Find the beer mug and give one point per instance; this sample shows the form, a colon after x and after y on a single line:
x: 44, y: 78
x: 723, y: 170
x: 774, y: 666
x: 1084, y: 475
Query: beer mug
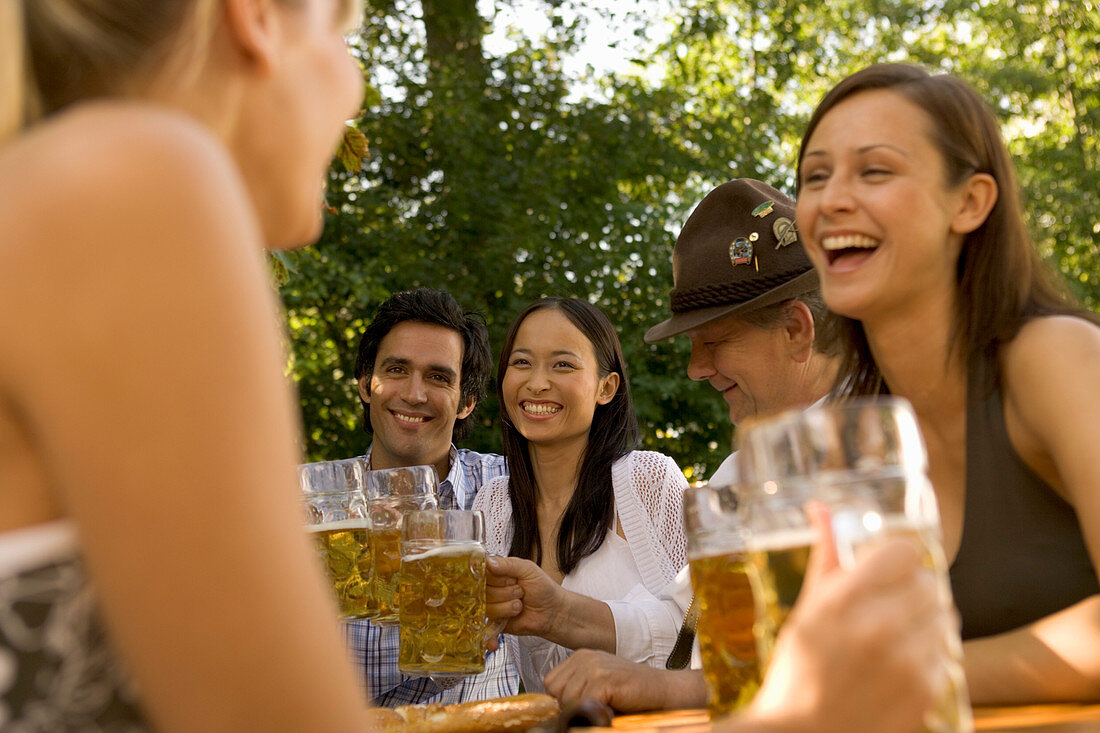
x: 779, y: 541
x: 441, y: 594
x: 391, y: 493
x: 336, y: 517
x: 865, y: 458
x: 722, y: 578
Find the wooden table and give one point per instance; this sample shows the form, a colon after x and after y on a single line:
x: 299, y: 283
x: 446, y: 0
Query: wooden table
x: 1064, y: 718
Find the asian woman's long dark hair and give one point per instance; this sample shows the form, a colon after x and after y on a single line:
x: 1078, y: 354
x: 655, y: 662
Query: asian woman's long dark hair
x: 613, y: 434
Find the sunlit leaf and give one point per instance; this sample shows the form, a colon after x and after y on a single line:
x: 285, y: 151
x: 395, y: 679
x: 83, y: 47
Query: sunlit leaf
x: 353, y: 148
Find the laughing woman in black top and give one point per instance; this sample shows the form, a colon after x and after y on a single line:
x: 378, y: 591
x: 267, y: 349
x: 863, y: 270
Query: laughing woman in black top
x: 908, y: 206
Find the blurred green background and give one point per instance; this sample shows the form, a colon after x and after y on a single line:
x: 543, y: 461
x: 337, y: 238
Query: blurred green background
x: 520, y: 148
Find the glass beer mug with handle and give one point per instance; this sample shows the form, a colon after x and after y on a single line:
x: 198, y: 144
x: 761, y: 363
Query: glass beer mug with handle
x: 336, y: 517
x: 441, y: 594
x: 865, y: 458
x: 779, y: 541
x: 722, y: 578
x: 391, y: 494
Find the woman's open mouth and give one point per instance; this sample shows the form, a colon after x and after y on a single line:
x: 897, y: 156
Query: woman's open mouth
x: 540, y: 409
x: 844, y: 246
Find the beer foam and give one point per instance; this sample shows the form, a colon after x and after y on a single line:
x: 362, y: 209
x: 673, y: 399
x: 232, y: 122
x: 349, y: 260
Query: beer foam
x: 353, y: 523
x: 738, y: 554
x: 450, y: 550
x: 782, y: 539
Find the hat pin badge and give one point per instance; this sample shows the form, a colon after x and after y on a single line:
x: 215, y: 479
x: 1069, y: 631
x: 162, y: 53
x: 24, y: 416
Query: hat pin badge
x: 763, y: 209
x: 785, y: 232
x: 740, y: 251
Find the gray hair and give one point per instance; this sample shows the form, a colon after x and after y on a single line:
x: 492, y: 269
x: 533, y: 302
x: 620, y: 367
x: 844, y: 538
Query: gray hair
x: 773, y: 316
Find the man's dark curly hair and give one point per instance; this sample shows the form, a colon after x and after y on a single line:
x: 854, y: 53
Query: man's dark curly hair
x: 439, y: 308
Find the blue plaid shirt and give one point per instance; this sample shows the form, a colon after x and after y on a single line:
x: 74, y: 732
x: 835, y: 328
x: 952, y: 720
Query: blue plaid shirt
x: 375, y: 647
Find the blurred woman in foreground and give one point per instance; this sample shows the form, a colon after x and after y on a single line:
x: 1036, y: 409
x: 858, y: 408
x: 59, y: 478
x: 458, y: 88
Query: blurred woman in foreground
x: 148, y: 152
x: 147, y: 435
x: 908, y: 206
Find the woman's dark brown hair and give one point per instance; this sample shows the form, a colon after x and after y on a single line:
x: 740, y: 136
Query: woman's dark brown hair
x: 1001, y: 282
x: 613, y: 434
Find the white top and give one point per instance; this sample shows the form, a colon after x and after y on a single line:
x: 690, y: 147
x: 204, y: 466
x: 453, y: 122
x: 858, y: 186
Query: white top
x: 727, y: 473
x: 676, y: 596
x: 628, y: 573
x: 608, y: 573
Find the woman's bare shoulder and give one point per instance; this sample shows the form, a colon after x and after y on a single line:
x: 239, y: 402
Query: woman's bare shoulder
x: 110, y: 209
x: 1051, y: 361
x: 1052, y: 396
x: 95, y: 167
x: 122, y: 177
x: 1052, y: 344
x: 101, y: 138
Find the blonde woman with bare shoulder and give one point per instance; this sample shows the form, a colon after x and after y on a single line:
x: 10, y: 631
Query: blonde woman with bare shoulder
x: 148, y: 153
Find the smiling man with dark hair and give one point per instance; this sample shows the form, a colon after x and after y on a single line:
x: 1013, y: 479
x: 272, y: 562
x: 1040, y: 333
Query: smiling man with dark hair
x: 423, y: 365
x: 410, y: 314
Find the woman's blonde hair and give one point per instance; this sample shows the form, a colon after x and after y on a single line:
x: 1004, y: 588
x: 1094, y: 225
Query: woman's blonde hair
x: 11, y: 67
x: 55, y: 52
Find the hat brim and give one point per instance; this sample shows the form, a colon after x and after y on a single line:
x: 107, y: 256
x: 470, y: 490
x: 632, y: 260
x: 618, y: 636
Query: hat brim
x: 688, y: 320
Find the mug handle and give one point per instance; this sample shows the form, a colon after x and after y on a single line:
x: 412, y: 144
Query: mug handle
x: 493, y: 628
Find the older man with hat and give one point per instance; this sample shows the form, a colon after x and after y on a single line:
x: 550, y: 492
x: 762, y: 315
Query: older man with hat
x: 747, y: 296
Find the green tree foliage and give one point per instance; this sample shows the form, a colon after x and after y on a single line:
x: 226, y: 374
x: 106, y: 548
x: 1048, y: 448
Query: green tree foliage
x: 502, y: 178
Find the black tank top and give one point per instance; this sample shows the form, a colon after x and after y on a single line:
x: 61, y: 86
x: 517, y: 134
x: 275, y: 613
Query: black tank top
x: 1022, y: 555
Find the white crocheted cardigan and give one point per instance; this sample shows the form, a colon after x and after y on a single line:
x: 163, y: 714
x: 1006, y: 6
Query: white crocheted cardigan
x: 648, y: 489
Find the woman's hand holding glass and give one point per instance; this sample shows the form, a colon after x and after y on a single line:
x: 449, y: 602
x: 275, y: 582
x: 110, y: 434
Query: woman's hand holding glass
x: 858, y: 635
x: 522, y: 595
x: 531, y: 603
x: 865, y: 460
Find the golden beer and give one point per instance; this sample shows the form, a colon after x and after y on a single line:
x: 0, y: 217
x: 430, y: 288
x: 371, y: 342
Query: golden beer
x: 386, y: 553
x: 387, y: 516
x: 441, y: 595
x: 780, y: 560
x: 727, y: 642
x: 865, y: 460
x: 345, y: 550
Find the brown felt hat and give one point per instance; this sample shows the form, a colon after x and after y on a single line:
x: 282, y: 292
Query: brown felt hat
x: 738, y: 251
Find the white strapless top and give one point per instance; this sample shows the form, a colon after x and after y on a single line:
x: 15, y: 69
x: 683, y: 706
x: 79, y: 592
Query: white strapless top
x: 40, y: 544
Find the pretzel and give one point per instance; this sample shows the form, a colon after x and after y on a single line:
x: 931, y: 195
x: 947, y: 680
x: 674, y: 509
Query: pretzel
x: 516, y: 713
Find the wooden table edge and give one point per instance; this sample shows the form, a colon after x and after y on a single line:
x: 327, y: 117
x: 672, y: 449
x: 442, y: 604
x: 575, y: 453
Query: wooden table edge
x: 1052, y: 718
